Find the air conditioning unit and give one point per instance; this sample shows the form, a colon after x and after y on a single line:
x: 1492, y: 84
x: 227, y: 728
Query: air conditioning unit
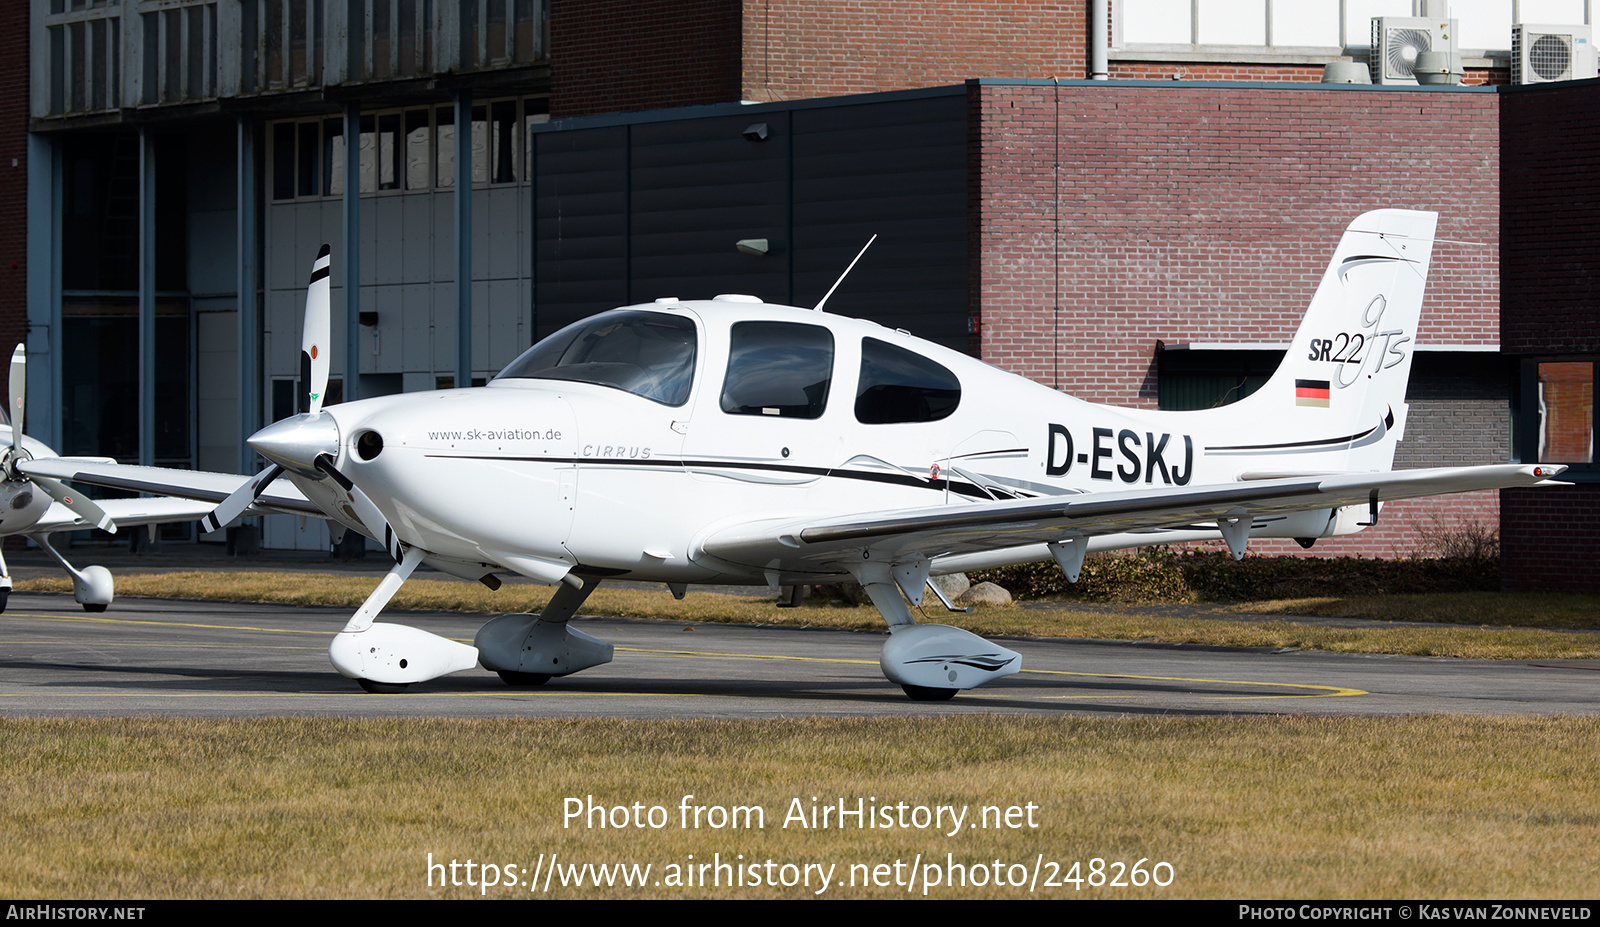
x: 1397, y: 40
x: 1540, y: 54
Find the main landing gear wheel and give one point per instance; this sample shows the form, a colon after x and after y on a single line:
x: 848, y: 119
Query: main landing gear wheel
x: 929, y: 693
x: 94, y: 606
x: 383, y: 688
x: 513, y: 678
x: 4, y: 595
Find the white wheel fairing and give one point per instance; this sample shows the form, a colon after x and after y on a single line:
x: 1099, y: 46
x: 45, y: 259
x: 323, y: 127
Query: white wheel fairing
x: 936, y: 656
x: 396, y: 654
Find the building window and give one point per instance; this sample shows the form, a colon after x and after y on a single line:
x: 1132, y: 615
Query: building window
x: 404, y: 150
x: 180, y: 54
x: 1154, y: 29
x: 1555, y: 421
x: 498, y: 149
x: 501, y: 32
x: 83, y: 48
x: 281, y: 44
x: 1188, y: 380
x: 1566, y: 412
x: 1172, y: 25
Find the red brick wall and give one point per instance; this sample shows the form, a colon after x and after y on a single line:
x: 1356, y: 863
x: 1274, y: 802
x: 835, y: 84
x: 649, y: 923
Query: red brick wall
x: 796, y: 49
x: 1209, y: 214
x: 13, y: 177
x: 1549, y: 538
x: 1398, y: 532
x: 621, y: 55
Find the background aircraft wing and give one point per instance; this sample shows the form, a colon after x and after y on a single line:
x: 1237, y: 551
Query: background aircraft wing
x: 127, y: 513
x: 808, y: 545
x: 199, y: 485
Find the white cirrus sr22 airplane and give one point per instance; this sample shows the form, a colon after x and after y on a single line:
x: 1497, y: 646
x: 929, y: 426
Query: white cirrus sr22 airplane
x: 730, y: 441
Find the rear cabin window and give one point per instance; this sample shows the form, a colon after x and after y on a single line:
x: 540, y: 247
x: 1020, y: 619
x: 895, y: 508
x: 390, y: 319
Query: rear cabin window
x: 781, y: 369
x: 649, y: 354
x: 902, y: 386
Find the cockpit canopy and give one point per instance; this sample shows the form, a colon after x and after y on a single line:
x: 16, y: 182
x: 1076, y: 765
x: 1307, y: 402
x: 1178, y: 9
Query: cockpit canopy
x: 649, y: 354
x: 775, y: 368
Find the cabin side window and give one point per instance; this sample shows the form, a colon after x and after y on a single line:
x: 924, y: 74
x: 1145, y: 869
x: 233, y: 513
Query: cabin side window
x: 649, y: 354
x: 781, y: 369
x: 897, y: 385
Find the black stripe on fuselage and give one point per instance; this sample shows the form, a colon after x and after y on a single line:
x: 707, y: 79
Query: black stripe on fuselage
x: 897, y: 479
x: 1388, y: 422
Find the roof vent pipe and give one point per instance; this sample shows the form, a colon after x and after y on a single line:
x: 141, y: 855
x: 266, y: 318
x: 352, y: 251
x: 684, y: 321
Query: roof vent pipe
x: 1099, y: 38
x: 1346, y: 71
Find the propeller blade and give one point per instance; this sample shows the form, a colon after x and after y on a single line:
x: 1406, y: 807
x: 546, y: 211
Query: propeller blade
x: 239, y: 500
x: 377, y: 526
x: 80, y: 505
x: 19, y: 396
x: 314, y: 359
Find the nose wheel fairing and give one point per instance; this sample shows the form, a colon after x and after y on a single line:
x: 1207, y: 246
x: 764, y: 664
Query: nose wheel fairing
x: 394, y: 654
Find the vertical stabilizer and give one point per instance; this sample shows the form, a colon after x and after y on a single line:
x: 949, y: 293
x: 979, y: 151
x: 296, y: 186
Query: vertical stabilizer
x: 1339, y: 395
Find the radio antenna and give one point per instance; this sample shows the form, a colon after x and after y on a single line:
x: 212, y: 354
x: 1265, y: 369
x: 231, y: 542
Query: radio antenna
x: 818, y: 306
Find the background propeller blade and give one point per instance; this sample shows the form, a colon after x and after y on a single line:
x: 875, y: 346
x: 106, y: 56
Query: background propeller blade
x: 19, y: 396
x: 314, y: 359
x: 81, y: 505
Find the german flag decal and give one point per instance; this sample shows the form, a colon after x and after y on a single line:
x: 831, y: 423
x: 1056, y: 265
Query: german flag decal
x: 1311, y: 393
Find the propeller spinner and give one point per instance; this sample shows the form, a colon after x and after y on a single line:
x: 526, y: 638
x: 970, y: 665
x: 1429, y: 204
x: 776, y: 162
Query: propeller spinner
x: 307, y: 443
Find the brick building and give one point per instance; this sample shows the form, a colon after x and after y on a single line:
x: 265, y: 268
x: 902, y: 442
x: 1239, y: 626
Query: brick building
x: 1149, y: 242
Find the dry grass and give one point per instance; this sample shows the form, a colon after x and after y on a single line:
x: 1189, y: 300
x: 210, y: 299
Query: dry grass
x: 1262, y: 808
x: 1532, y: 613
x: 1518, y: 610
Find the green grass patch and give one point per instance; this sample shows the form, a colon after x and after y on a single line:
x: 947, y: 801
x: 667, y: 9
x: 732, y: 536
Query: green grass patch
x: 1428, y: 807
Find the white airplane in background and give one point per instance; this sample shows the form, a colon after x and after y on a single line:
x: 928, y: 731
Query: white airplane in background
x: 37, y: 506
x: 730, y: 441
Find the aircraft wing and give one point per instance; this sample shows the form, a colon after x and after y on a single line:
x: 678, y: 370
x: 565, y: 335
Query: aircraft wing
x: 199, y: 485
x: 935, y: 531
x: 126, y: 513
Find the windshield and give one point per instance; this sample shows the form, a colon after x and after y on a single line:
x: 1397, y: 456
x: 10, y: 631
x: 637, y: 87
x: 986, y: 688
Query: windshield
x: 649, y: 354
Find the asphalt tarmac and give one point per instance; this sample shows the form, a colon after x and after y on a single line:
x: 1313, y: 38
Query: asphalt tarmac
x: 209, y: 659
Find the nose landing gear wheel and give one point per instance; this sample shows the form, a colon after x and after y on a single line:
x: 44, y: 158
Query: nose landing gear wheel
x: 929, y: 694
x: 520, y: 680
x: 94, y: 606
